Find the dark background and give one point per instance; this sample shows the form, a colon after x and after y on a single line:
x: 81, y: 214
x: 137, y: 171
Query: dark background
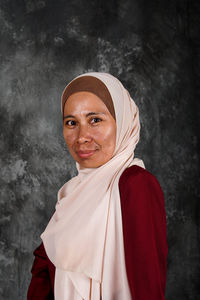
x: 152, y: 47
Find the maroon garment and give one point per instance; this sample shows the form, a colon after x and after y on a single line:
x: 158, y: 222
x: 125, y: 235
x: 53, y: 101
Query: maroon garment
x: 43, y: 272
x: 145, y: 233
x: 145, y: 241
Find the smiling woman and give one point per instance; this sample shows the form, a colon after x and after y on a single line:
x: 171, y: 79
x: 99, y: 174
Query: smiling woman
x: 89, y: 130
x: 107, y: 239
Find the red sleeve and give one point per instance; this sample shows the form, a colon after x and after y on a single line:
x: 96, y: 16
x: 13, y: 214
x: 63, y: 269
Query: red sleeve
x: 43, y: 272
x: 145, y: 233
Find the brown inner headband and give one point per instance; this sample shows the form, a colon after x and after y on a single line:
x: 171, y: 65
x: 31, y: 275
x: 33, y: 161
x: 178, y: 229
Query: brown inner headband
x: 89, y: 84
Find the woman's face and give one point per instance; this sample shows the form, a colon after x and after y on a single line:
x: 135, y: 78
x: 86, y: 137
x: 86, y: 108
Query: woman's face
x: 89, y: 130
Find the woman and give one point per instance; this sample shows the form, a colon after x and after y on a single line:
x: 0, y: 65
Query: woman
x: 107, y: 237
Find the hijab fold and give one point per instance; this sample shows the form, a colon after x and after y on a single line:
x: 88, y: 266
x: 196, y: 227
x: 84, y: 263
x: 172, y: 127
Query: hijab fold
x: 84, y: 238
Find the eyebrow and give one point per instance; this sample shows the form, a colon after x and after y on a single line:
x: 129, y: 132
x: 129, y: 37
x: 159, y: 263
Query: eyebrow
x: 89, y: 114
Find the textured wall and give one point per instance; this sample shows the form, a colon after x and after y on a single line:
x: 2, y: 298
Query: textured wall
x: 152, y: 48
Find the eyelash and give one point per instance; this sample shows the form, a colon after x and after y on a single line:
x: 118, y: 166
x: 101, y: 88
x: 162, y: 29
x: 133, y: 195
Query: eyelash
x: 99, y: 120
x: 67, y: 123
x: 96, y: 118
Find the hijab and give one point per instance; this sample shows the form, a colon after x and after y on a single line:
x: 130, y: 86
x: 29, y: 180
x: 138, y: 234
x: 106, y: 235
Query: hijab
x: 84, y: 238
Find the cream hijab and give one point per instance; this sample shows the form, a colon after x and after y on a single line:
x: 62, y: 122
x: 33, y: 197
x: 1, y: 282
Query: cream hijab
x: 84, y: 238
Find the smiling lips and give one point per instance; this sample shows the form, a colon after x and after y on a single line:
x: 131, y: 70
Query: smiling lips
x: 85, y: 153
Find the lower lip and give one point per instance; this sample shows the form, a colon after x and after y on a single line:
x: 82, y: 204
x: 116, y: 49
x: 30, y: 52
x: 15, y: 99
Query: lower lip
x: 85, y: 154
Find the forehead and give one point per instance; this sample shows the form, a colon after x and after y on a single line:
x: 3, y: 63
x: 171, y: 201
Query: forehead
x: 84, y: 100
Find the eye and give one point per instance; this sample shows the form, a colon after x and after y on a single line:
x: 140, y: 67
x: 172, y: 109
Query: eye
x: 70, y: 123
x: 95, y: 120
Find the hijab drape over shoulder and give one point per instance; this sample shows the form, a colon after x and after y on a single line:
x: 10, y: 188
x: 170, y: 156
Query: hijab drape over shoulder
x: 84, y: 238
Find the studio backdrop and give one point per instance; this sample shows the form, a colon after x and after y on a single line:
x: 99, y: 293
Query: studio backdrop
x: 151, y: 46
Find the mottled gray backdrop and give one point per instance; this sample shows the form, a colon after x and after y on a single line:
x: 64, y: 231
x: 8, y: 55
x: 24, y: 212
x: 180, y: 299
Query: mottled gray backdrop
x: 152, y: 47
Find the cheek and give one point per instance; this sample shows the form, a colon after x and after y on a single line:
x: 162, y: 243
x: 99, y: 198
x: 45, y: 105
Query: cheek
x: 108, y: 137
x: 69, y: 137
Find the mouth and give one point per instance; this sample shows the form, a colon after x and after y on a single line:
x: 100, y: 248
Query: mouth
x: 85, y: 153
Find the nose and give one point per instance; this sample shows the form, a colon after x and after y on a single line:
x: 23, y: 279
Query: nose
x: 84, y: 135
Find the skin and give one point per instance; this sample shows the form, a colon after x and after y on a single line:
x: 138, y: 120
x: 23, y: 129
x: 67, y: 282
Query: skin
x: 89, y: 130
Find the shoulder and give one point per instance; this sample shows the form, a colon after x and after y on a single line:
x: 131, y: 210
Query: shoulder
x: 139, y: 184
x: 40, y: 251
x: 135, y: 175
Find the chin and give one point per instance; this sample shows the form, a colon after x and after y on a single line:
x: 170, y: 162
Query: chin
x: 89, y: 165
x: 92, y: 164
